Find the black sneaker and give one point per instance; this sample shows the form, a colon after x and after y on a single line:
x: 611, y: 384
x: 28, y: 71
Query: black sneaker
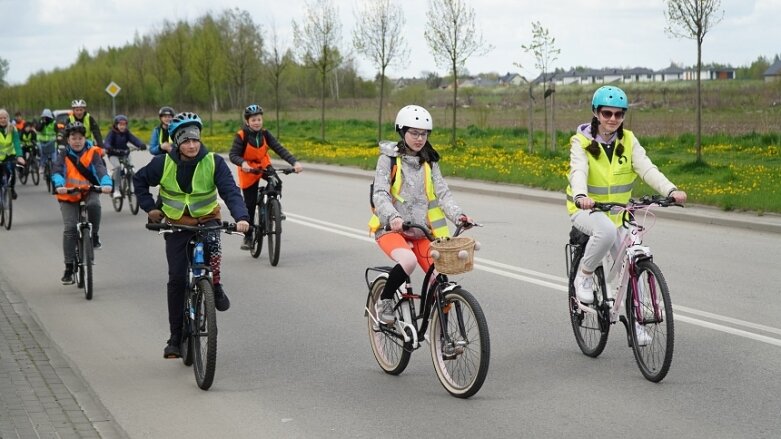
x: 221, y: 301
x: 247, y: 244
x: 96, y: 244
x: 67, y: 277
x: 172, y: 348
x: 13, y: 194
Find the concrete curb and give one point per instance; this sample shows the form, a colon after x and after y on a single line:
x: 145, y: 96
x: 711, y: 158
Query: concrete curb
x: 770, y: 222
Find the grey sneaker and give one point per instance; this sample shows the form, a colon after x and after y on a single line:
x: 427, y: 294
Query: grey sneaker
x: 584, y: 287
x: 383, y: 309
x: 643, y: 337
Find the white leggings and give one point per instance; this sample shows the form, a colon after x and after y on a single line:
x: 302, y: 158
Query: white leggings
x: 603, y: 234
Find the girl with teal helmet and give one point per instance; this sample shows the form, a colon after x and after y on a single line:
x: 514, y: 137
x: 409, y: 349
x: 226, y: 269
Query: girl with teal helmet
x: 605, y: 161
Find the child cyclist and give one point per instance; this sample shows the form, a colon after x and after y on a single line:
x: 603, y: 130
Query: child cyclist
x: 115, y: 146
x: 79, y: 165
x: 250, y: 152
x: 160, y: 143
x: 409, y: 187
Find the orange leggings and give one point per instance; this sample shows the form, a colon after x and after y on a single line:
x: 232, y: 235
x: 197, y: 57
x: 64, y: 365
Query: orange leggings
x: 390, y: 243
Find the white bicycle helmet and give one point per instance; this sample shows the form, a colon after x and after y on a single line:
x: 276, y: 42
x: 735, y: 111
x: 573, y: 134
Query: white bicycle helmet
x: 414, y: 116
x: 78, y: 103
x: 47, y: 113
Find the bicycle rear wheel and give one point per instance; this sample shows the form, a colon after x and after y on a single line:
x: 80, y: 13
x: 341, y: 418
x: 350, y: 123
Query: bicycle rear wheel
x: 47, y: 175
x: 274, y: 230
x: 22, y: 172
x: 86, y: 263
x: 388, y: 346
x: 3, y: 190
x: 132, y: 201
x: 654, y: 351
x: 117, y: 201
x: 8, y: 208
x: 590, y: 327
x: 257, y: 233
x: 204, y: 338
x: 462, y: 362
x: 35, y: 171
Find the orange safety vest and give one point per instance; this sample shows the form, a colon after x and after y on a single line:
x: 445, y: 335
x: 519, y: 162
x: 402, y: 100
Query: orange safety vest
x: 257, y: 157
x: 73, y: 177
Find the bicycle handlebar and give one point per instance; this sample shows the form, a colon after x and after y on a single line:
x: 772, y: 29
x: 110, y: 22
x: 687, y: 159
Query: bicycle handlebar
x: 460, y: 227
x: 645, y: 200
x: 266, y: 171
x: 90, y: 188
x: 162, y: 227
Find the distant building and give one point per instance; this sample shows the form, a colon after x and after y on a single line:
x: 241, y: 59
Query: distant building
x: 773, y: 73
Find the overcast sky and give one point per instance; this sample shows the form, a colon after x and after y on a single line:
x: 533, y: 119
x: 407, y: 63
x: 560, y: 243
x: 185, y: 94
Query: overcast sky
x: 45, y: 34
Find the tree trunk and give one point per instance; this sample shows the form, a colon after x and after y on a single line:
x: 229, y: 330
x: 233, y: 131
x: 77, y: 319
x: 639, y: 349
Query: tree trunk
x: 322, y: 104
x: 531, y: 120
x: 379, y: 112
x: 455, y: 101
x: 699, y: 100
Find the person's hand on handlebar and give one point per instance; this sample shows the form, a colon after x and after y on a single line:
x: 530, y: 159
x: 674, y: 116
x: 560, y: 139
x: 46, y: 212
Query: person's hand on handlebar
x: 396, y: 224
x: 678, y: 196
x: 155, y: 216
x: 105, y: 189
x: 242, y: 226
x: 465, y: 220
x: 246, y: 167
x: 298, y: 167
x: 585, y: 202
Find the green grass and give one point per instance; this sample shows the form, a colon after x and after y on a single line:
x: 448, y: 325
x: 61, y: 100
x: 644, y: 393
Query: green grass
x: 740, y: 172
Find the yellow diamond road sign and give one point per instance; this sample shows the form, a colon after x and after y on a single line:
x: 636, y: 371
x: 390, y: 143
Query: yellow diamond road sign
x: 113, y: 89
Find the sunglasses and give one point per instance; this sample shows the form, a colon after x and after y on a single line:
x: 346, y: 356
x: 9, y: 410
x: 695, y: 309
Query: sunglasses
x: 607, y: 114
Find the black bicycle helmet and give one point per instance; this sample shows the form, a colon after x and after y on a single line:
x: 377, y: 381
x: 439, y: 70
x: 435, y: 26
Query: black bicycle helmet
x: 166, y: 111
x: 75, y: 127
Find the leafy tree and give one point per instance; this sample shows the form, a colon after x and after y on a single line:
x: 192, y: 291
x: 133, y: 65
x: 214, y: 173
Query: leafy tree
x: 545, y: 53
x: 317, y: 39
x: 693, y: 19
x: 207, y: 62
x: 378, y: 36
x: 452, y: 37
x: 243, y: 49
x: 4, y: 66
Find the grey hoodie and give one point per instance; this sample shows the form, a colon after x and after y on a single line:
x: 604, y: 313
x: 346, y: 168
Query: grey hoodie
x: 413, y: 191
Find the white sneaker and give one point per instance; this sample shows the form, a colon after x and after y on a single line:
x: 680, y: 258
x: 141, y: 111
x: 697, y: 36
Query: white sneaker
x: 584, y: 287
x: 383, y: 309
x: 117, y: 194
x: 643, y: 338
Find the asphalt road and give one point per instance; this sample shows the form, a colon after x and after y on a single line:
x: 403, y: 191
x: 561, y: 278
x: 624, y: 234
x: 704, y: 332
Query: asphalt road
x: 294, y: 359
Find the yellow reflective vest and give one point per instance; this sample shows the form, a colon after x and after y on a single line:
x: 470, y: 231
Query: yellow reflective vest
x: 203, y: 198
x: 437, y: 221
x: 608, y: 181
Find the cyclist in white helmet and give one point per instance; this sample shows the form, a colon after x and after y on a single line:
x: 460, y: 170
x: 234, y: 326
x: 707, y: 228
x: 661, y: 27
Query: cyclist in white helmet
x: 409, y: 187
x: 79, y: 114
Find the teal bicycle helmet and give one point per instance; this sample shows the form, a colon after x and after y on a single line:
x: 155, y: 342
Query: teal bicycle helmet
x: 182, y: 120
x: 609, y: 96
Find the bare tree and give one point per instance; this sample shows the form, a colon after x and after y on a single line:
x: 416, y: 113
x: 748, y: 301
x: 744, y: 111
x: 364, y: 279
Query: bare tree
x: 693, y: 19
x: 531, y: 109
x: 277, y: 63
x: 453, y: 38
x: 545, y: 52
x: 378, y: 36
x: 317, y: 40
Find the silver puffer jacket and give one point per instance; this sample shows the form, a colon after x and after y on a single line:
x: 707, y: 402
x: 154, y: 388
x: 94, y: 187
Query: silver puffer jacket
x: 413, y: 191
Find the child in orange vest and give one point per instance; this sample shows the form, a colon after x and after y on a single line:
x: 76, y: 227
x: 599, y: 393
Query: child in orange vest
x: 249, y: 152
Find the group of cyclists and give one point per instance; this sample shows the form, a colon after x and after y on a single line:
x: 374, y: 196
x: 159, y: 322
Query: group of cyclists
x: 605, y: 161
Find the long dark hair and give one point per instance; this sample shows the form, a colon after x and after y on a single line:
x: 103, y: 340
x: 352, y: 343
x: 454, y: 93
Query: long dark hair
x: 594, y: 148
x: 426, y: 154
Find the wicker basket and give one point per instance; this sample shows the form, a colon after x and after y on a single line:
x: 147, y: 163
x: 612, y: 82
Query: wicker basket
x: 448, y: 249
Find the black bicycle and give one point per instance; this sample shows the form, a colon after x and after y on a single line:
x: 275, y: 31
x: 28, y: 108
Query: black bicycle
x: 48, y: 164
x: 31, y: 167
x: 268, y: 215
x: 199, y: 327
x: 85, y: 252
x: 457, y: 328
x: 125, y: 186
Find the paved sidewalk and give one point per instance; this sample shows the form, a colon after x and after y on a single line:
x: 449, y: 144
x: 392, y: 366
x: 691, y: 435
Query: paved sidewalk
x: 41, y: 396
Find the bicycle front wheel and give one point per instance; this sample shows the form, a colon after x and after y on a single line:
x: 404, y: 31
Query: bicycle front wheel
x: 117, y: 201
x: 257, y: 232
x: 459, y: 342
x: 86, y: 263
x: 204, y: 337
x: 388, y: 346
x: 23, y: 172
x: 274, y: 230
x: 35, y: 171
x: 590, y: 327
x: 187, y: 338
x: 8, y: 208
x: 47, y: 175
x: 132, y: 201
x: 650, y: 317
